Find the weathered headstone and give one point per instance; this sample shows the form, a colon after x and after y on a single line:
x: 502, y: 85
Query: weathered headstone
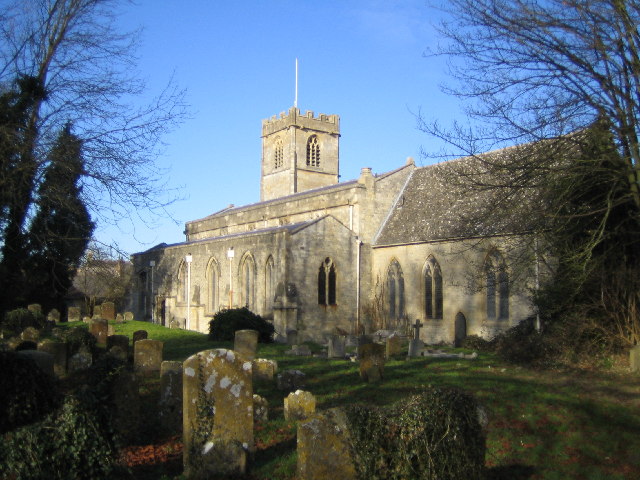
x: 260, y: 409
x: 59, y: 352
x: 73, y: 314
x: 108, y: 310
x: 415, y: 348
x: 246, y: 343
x: 118, y: 353
x: 86, y: 319
x: 292, y: 337
x: 147, y: 356
x: 97, y: 311
x: 121, y: 341
x: 99, y: 328
x: 35, y: 308
x: 139, y: 335
x: 43, y: 360
x: 31, y: 334
x: 54, y: 315
x: 128, y: 316
x: 336, y: 347
x: 291, y: 380
x: 171, y: 395
x: 393, y: 346
x: 217, y: 413
x: 634, y: 358
x: 328, y: 431
x: 264, y: 370
x: 299, y: 350
x: 80, y: 361
x: 371, y: 358
x: 119, y: 318
x: 299, y: 405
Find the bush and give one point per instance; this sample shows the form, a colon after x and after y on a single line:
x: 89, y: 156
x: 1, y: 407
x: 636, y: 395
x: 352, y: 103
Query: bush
x: 474, y: 342
x: 20, y: 318
x: 433, y: 435
x: 78, y: 337
x: 68, y: 443
x: 27, y: 393
x: 225, y: 324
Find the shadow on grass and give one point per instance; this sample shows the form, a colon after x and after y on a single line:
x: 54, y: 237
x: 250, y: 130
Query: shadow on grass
x: 509, y: 472
x: 273, y: 453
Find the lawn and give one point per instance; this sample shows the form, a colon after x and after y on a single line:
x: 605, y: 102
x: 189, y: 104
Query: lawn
x: 543, y: 424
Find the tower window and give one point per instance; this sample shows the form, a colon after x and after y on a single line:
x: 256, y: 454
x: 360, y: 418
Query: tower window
x: 278, y: 156
x: 327, y: 283
x: 313, y: 152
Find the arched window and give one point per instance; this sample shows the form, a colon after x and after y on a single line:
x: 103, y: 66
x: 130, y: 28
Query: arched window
x: 278, y: 156
x: 269, y: 284
x: 433, y: 296
x: 213, y: 285
x: 247, y: 279
x: 395, y: 287
x: 327, y: 283
x: 497, y: 286
x: 182, y: 282
x: 313, y: 151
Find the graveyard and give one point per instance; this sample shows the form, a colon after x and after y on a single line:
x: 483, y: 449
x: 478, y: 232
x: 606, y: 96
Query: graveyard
x: 539, y: 424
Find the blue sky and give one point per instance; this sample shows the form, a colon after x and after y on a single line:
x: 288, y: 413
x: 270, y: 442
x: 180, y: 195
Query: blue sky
x: 362, y: 60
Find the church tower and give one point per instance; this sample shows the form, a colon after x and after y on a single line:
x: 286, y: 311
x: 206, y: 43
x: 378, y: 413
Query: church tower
x: 299, y: 152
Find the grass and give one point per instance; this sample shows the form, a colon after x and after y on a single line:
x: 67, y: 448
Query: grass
x: 543, y: 424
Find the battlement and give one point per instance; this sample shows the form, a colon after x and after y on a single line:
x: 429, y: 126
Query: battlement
x: 323, y: 123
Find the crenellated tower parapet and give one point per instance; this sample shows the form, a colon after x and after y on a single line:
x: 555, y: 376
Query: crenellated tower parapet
x: 299, y: 152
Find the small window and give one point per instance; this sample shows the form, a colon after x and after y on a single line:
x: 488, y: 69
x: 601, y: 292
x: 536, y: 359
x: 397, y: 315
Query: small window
x: 497, y: 287
x: 327, y: 283
x: 433, y: 295
x: 269, y: 284
x: 313, y: 152
x: 247, y: 279
x: 395, y: 287
x: 278, y: 156
x: 213, y: 280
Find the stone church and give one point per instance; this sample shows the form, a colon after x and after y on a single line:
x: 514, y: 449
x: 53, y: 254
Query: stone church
x: 322, y: 256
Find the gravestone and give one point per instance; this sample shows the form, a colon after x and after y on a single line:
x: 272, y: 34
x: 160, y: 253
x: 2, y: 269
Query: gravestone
x: 264, y: 370
x: 97, y: 311
x: 323, y: 448
x: 634, y: 358
x: 147, y: 356
x: 73, y: 314
x: 291, y: 380
x: 35, y: 308
x: 292, y: 337
x: 59, y: 352
x: 171, y: 395
x: 108, y: 310
x: 415, y: 348
x: 126, y: 417
x: 260, y: 409
x: 299, y: 350
x: 99, y: 328
x: 336, y: 347
x: 364, y: 340
x: 299, y: 405
x: 86, y: 319
x: 44, y: 360
x: 80, y: 361
x: 393, y: 346
x: 371, y: 358
x: 139, y: 335
x: 246, y: 343
x: 54, y: 315
x: 128, y: 316
x: 31, y: 334
x: 118, y: 353
x: 217, y: 404
x: 119, y: 318
x: 121, y: 341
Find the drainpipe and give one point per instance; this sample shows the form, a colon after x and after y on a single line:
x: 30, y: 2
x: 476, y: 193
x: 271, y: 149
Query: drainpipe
x: 358, y: 246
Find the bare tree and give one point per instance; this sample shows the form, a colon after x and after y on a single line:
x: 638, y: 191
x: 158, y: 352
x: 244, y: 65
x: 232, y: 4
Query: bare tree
x: 87, y: 68
x: 561, y: 79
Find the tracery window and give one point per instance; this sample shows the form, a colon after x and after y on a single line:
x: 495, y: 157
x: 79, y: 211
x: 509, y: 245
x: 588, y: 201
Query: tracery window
x: 247, y: 279
x: 433, y: 295
x: 313, y: 151
x: 497, y: 287
x: 213, y: 283
x: 327, y: 283
x: 278, y: 159
x: 395, y: 287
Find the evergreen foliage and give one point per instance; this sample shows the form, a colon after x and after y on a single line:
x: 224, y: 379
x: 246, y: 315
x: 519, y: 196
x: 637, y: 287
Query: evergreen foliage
x: 226, y: 322
x: 20, y: 318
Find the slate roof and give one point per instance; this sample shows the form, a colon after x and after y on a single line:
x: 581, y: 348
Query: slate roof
x: 437, y: 204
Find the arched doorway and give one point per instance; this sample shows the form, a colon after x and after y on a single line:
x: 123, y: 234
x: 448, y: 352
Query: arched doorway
x: 460, y: 329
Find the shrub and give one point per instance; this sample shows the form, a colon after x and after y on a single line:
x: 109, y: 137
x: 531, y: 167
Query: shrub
x: 27, y: 393
x: 20, y: 318
x: 225, y: 324
x: 522, y: 344
x: 434, y: 435
x: 474, y: 342
x: 78, y: 337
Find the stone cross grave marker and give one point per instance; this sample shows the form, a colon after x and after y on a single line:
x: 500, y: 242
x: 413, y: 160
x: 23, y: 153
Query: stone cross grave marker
x: 416, y: 329
x: 246, y: 343
x: 217, y: 409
